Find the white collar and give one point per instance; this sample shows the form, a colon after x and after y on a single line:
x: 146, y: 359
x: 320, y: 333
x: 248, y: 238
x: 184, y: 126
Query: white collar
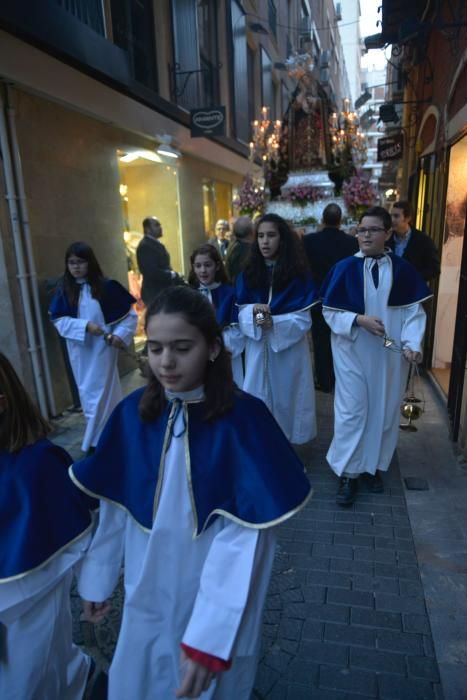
x: 213, y: 285
x: 192, y: 395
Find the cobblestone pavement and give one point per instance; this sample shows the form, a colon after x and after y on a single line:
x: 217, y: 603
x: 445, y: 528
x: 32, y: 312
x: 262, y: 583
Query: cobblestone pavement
x: 345, y: 616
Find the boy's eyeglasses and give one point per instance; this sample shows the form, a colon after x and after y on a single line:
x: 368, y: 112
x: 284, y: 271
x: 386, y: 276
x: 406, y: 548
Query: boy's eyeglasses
x: 373, y: 230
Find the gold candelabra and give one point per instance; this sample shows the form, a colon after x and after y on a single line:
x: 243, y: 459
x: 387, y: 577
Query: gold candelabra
x: 265, y: 140
x: 348, y: 142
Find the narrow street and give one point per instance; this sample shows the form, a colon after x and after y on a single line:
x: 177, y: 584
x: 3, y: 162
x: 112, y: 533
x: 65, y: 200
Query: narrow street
x: 365, y: 602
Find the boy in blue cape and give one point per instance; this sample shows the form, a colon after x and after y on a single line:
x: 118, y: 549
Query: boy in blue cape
x: 373, y: 304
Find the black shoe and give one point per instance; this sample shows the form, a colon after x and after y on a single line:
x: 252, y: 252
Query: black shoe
x: 347, y: 491
x: 374, y: 482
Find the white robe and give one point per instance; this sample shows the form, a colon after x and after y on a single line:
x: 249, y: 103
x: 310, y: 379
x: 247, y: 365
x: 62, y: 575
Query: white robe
x: 38, y: 660
x: 233, y: 339
x: 235, y: 343
x: 208, y: 593
x: 278, y: 370
x: 370, y: 379
x: 94, y: 363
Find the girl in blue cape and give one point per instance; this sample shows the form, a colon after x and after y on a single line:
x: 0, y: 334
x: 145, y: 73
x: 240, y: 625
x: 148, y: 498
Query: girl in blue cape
x: 275, y: 293
x: 192, y: 474
x: 95, y: 316
x: 45, y: 527
x: 209, y: 277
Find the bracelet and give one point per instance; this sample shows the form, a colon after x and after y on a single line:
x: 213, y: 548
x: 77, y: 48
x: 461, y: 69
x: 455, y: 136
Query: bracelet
x: 108, y: 338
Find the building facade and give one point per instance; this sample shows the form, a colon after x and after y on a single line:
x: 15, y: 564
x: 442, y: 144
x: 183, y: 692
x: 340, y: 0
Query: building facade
x: 349, y: 13
x: 89, y: 92
x: 374, y: 83
x: 430, y: 58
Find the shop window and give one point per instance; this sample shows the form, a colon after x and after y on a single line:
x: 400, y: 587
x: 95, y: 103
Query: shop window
x: 451, y: 261
x: 217, y: 204
x: 141, y: 182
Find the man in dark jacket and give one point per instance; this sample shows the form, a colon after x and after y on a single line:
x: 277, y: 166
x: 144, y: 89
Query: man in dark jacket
x: 414, y: 246
x: 239, y: 248
x: 221, y: 241
x: 153, y: 261
x: 324, y: 249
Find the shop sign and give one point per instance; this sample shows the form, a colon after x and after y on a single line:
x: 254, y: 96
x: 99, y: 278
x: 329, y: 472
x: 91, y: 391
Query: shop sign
x: 207, y: 122
x: 391, y: 147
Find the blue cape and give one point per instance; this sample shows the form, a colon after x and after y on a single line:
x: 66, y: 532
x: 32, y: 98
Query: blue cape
x: 241, y: 464
x: 115, y: 303
x: 299, y: 294
x: 41, y: 511
x: 343, y: 286
x: 223, y: 300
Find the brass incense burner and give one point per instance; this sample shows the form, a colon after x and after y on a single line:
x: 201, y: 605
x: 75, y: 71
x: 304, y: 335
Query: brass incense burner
x: 411, y: 407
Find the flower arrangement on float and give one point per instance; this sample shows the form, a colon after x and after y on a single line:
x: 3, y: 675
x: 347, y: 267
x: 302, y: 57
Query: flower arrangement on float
x: 301, y: 194
x: 250, y: 198
x: 358, y: 194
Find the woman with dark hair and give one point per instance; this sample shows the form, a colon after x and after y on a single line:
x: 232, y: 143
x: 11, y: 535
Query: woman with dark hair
x: 275, y: 293
x: 192, y: 474
x: 208, y: 276
x: 95, y: 316
x: 45, y: 528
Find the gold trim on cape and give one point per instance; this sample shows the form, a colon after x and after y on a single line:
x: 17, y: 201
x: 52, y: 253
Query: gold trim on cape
x: 47, y: 561
x: 104, y: 498
x: 216, y: 511
x: 256, y: 526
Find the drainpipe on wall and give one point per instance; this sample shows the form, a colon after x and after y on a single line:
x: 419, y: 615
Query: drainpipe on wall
x: 23, y: 205
x: 22, y: 273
